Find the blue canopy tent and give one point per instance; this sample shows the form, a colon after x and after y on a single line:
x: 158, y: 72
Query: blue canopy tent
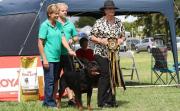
x: 18, y: 15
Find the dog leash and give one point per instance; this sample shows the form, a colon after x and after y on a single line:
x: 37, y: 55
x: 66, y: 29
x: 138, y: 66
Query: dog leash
x: 76, y: 58
x: 79, y: 61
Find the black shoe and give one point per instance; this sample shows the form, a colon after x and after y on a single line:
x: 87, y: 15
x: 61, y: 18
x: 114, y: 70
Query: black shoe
x: 105, y: 105
x: 115, y: 105
x: 72, y: 102
x: 108, y: 105
x: 100, y: 106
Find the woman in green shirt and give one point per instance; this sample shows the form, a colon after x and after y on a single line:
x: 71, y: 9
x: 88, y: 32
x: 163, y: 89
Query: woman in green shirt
x: 49, y: 44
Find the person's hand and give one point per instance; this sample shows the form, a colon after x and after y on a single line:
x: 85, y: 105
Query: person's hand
x: 71, y: 52
x: 45, y: 64
x: 103, y: 41
x: 70, y: 41
x: 120, y: 41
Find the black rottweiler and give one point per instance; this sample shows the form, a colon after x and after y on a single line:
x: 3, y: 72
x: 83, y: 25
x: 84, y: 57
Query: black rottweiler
x: 80, y: 81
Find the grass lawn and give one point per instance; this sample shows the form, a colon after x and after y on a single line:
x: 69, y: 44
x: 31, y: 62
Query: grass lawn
x: 133, y: 99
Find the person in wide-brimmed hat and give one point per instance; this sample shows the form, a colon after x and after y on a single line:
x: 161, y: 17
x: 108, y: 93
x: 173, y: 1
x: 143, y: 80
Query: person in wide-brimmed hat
x: 101, y: 31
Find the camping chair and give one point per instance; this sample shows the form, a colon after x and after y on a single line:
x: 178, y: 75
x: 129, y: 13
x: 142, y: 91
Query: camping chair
x: 130, y: 55
x: 161, y: 67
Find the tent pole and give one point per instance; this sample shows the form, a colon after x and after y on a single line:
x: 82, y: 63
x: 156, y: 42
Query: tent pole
x: 30, y: 30
x: 174, y: 46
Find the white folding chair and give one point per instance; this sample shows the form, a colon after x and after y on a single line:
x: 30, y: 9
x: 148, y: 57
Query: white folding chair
x: 130, y: 55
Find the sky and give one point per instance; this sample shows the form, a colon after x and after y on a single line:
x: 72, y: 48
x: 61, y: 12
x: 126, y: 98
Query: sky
x: 128, y: 19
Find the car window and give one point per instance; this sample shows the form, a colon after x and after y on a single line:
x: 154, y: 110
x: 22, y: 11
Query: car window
x: 143, y: 41
x: 136, y: 41
x: 158, y: 43
x: 133, y: 41
x: 146, y: 40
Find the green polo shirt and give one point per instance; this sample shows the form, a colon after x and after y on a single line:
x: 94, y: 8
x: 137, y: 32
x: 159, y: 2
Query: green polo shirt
x: 52, y: 41
x: 69, y: 31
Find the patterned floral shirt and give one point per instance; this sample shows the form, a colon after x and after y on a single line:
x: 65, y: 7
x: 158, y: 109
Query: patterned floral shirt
x: 103, y: 29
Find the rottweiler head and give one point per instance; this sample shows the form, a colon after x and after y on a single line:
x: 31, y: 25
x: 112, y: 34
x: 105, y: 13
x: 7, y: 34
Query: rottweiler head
x: 92, y: 68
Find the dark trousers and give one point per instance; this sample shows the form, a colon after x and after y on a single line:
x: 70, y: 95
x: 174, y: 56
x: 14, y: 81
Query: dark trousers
x: 50, y: 76
x: 104, y: 89
x: 66, y: 63
x: 67, y: 66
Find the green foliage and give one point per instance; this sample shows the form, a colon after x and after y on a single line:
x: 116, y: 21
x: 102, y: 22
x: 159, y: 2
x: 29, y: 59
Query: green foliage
x: 155, y: 23
x: 128, y: 26
x: 178, y: 28
x: 83, y: 21
x: 177, y: 14
x: 131, y: 27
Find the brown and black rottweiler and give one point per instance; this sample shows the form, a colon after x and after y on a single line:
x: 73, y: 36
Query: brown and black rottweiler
x: 81, y: 81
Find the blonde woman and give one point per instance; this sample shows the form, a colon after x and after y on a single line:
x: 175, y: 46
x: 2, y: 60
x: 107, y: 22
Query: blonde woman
x: 49, y: 44
x: 70, y: 33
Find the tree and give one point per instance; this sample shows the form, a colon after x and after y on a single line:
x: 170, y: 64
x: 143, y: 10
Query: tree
x: 155, y: 23
x: 83, y: 21
x: 146, y: 21
x: 148, y: 30
x: 177, y: 14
